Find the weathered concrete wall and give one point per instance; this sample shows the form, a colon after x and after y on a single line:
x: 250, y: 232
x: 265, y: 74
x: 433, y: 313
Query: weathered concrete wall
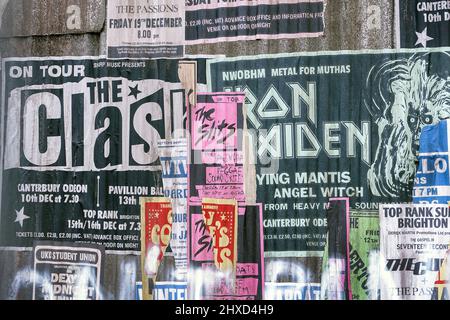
x: 51, y: 28
x: 87, y: 44
x: 25, y: 18
x: 40, y: 27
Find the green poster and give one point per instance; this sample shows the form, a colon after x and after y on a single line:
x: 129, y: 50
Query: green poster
x: 364, y: 251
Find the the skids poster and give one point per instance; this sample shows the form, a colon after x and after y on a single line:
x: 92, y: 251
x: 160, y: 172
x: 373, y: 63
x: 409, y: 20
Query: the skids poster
x: 79, y: 146
x: 216, y: 168
x: 67, y: 271
x: 210, y: 283
x: 210, y: 21
x: 414, y: 240
x: 333, y: 124
x: 156, y: 232
x: 422, y: 23
x: 145, y: 29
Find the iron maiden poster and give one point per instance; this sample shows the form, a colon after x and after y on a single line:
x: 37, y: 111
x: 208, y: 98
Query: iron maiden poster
x: 145, y: 28
x: 67, y: 271
x: 210, y: 21
x: 414, y: 240
x: 79, y: 147
x: 423, y: 23
x: 333, y: 124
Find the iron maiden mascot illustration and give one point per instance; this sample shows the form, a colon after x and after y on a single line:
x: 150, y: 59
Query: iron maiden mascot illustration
x: 404, y: 95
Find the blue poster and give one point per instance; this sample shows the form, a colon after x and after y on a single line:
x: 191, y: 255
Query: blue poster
x: 170, y: 291
x: 432, y: 182
x: 165, y: 290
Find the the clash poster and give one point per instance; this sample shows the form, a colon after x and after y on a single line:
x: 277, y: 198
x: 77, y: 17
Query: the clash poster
x: 332, y: 124
x: 79, y: 146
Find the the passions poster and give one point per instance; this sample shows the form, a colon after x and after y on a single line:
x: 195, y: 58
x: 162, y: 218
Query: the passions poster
x: 145, y: 28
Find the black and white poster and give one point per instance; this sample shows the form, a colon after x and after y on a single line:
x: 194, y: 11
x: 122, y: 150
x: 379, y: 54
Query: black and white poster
x: 423, y: 23
x: 66, y: 271
x: 80, y: 147
x: 145, y: 28
x: 211, y: 21
x: 154, y: 29
x: 414, y: 242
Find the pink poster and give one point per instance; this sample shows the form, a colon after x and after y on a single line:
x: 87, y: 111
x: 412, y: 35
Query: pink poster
x: 209, y: 282
x: 216, y: 160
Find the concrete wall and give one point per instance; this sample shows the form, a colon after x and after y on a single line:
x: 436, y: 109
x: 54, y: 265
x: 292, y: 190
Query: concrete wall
x: 77, y: 27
